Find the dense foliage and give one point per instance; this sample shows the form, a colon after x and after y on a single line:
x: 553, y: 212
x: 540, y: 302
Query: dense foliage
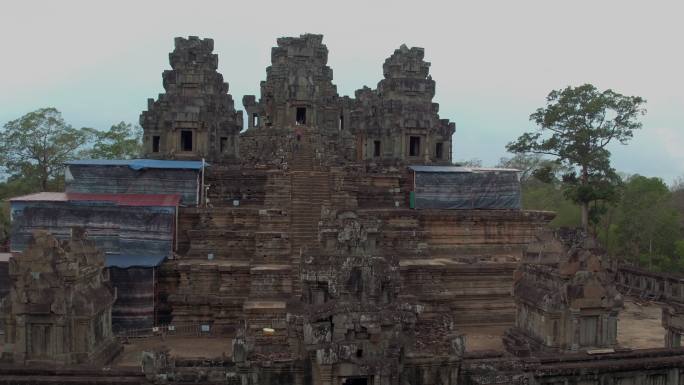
x: 643, y: 224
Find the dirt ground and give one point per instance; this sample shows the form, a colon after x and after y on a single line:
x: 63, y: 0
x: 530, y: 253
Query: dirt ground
x: 639, y: 326
x: 483, y: 337
x: 186, y: 347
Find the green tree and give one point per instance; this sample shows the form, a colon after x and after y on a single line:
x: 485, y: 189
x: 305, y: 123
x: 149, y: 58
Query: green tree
x: 648, y: 226
x: 121, y: 141
x: 37, y: 145
x: 575, y: 127
x: 474, y: 162
x: 533, y: 166
x: 548, y: 196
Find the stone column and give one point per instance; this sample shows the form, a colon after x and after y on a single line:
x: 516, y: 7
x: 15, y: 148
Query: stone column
x: 574, y: 343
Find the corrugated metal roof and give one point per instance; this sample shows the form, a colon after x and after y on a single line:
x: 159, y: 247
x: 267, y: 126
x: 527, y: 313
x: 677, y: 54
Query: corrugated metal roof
x: 420, y: 168
x: 126, y: 261
x: 138, y: 164
x: 157, y: 200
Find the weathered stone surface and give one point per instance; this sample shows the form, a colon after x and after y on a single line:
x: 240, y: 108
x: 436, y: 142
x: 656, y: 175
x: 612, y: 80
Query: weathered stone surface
x: 196, y: 117
x: 398, y: 120
x: 60, y: 304
x: 566, y: 298
x: 673, y: 322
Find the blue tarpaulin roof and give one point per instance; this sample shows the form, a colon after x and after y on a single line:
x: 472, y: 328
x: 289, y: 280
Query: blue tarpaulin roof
x: 139, y: 164
x: 126, y: 261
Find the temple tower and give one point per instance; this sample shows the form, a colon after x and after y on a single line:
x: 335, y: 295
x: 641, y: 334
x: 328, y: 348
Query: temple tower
x: 196, y: 117
x: 398, y: 120
x: 298, y: 90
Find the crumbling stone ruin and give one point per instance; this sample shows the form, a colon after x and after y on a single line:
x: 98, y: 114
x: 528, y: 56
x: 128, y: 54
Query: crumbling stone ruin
x: 566, y: 299
x: 60, y: 304
x: 673, y: 322
x: 398, y: 120
x: 196, y: 117
x: 332, y: 242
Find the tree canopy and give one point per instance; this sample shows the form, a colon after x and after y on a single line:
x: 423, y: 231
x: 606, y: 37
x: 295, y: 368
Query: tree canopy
x: 575, y: 128
x: 38, y: 144
x: 121, y: 141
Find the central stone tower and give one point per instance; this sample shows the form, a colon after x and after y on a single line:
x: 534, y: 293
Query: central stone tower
x: 298, y: 89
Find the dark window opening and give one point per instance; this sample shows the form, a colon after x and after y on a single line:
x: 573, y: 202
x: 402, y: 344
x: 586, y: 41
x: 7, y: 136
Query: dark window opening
x: 155, y: 143
x: 439, y: 149
x: 186, y: 140
x: 356, y: 381
x: 376, y: 148
x: 355, y: 282
x: 255, y: 120
x: 341, y: 126
x: 301, y: 115
x: 414, y: 146
x: 359, y: 353
x: 224, y: 144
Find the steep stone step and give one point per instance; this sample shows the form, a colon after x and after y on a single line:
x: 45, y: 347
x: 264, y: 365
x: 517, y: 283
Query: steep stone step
x: 310, y: 190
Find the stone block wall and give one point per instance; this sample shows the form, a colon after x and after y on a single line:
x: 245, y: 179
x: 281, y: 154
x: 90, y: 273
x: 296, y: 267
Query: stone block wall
x: 195, y: 118
x: 637, y: 282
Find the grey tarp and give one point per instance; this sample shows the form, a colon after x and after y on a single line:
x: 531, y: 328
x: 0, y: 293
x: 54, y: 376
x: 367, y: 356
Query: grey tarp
x: 466, y: 188
x: 135, y: 302
x: 112, y: 178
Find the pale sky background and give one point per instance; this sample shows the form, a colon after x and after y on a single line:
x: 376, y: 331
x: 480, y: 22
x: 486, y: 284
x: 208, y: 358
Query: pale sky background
x: 494, y: 61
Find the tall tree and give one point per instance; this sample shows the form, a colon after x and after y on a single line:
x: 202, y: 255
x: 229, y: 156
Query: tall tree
x: 38, y: 144
x: 575, y: 127
x: 121, y: 141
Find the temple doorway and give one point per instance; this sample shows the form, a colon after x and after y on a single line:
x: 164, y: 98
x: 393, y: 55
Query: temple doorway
x: 356, y: 381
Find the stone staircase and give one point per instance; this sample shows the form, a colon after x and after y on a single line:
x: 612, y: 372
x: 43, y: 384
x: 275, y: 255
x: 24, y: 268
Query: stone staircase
x: 303, y: 157
x: 310, y: 191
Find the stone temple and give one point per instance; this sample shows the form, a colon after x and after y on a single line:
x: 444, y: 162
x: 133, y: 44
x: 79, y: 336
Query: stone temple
x: 330, y: 240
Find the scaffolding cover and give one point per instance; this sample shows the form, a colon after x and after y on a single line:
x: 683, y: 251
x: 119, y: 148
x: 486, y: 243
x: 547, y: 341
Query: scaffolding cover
x: 124, y: 177
x: 466, y: 188
x: 135, y: 298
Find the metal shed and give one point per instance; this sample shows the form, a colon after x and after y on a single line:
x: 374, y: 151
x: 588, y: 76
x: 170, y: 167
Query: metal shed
x: 462, y: 188
x: 137, y: 176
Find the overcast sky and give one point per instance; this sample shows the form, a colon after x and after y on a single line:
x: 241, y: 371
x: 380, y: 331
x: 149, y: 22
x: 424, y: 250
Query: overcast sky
x: 494, y: 61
